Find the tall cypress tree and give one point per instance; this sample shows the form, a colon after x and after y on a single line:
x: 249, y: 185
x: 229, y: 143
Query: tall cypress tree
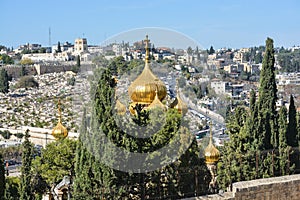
x: 2, y: 178
x: 96, y: 180
x: 4, y: 84
x: 267, y: 99
x: 26, y: 176
x: 292, y: 125
x: 283, y: 157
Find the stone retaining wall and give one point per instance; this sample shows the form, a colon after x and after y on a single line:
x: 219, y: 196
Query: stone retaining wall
x: 278, y: 188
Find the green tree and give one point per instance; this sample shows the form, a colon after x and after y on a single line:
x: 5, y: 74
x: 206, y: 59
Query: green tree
x: 6, y: 59
x: 2, y: 178
x: 4, y: 84
x: 12, y: 186
x: 211, y: 50
x: 56, y: 161
x: 26, y: 189
x: 58, y: 47
x: 267, y: 100
x: 292, y: 125
x: 94, y: 180
x: 283, y: 154
x: 26, y: 61
x: 78, y: 61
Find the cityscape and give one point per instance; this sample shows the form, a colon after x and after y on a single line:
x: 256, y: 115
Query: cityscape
x: 150, y: 113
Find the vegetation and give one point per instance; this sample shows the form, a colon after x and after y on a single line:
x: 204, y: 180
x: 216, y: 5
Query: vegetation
x: 2, y: 178
x: 56, y: 161
x: 289, y: 60
x: 26, y: 189
x: 6, y: 59
x: 27, y: 82
x: 4, y: 84
x: 258, y: 146
x: 95, y: 180
x: 5, y: 134
x: 26, y: 61
x: 12, y: 186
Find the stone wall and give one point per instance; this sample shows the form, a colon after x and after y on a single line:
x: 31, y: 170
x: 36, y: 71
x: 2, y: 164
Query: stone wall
x: 278, y: 188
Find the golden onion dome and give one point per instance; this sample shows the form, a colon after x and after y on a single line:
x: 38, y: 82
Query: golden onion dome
x: 179, y: 104
x: 59, y: 131
x: 142, y: 89
x: 156, y: 103
x: 211, y: 153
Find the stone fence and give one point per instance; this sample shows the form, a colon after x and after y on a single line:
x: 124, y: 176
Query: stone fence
x: 278, y: 188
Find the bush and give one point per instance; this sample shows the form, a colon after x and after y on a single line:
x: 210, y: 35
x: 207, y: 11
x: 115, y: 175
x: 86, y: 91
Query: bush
x: 5, y: 134
x: 27, y: 82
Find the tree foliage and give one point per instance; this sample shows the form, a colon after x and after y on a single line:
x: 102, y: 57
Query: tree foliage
x: 2, y: 178
x: 94, y: 180
x: 56, y: 161
x: 6, y: 59
x: 26, y: 189
x: 27, y: 82
x: 292, y: 125
x: 4, y: 84
x: 258, y: 146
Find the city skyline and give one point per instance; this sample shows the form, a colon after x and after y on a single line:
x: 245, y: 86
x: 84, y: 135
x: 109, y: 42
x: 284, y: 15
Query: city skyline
x: 233, y: 24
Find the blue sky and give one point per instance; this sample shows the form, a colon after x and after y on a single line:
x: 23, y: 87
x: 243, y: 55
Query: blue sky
x: 220, y: 23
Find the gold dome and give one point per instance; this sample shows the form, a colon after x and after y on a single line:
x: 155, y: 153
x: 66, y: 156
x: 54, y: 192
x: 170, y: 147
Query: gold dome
x: 212, y: 154
x: 59, y: 131
x: 142, y: 89
x: 179, y: 104
x: 156, y: 103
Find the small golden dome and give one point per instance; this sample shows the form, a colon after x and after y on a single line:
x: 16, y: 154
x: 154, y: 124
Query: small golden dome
x: 156, y: 103
x: 59, y: 131
x: 179, y: 104
x: 212, y: 154
x: 142, y: 89
x: 121, y: 109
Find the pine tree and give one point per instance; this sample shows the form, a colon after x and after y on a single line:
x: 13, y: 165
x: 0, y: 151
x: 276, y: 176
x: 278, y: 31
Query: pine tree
x: 2, y: 178
x: 4, y: 84
x: 292, y: 125
x: 267, y: 99
x: 26, y: 176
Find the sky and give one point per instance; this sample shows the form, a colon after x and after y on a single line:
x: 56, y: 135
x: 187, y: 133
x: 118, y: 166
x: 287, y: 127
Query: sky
x: 217, y: 23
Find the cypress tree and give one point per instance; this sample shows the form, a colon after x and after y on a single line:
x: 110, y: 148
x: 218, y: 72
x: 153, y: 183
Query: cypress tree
x: 292, y: 125
x: 4, y: 84
x: 2, y: 178
x: 267, y: 99
x: 26, y: 176
x: 298, y: 128
x: 282, y: 123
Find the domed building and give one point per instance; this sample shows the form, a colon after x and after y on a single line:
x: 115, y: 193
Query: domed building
x: 212, y: 156
x: 59, y: 131
x: 179, y: 104
x: 146, y: 86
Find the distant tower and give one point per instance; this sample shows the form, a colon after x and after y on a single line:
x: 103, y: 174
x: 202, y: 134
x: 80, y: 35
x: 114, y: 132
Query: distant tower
x: 81, y: 45
x: 49, y: 36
